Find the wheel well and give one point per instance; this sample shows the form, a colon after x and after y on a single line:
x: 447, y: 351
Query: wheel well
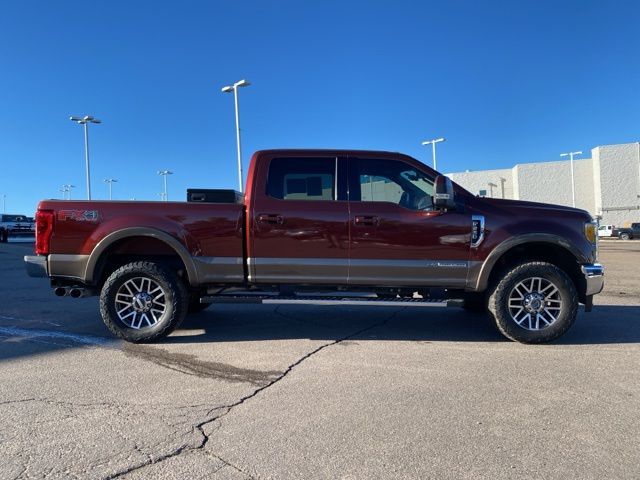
x: 541, y: 252
x: 132, y: 249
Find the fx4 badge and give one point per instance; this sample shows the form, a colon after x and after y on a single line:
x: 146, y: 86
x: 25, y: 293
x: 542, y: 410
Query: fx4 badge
x: 78, y: 215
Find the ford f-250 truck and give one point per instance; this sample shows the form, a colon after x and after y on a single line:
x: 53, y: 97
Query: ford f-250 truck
x: 326, y: 227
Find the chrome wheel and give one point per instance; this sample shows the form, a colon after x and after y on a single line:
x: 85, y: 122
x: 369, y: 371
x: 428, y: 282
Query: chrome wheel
x: 140, y: 302
x: 535, y: 303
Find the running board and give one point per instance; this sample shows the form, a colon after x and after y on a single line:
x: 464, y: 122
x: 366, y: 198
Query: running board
x: 332, y: 301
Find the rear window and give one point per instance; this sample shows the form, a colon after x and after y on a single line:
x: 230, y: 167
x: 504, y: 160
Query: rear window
x: 294, y: 178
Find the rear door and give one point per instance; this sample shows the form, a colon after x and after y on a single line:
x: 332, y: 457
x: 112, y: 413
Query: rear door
x: 397, y: 238
x: 299, y: 224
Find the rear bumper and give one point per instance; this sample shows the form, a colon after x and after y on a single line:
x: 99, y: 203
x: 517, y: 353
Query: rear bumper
x: 36, y: 265
x: 594, y: 277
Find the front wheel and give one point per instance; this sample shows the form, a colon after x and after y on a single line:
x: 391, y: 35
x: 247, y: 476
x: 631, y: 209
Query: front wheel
x: 534, y: 302
x: 143, y: 302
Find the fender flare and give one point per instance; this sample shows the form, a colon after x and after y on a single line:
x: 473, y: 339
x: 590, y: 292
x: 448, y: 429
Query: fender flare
x: 482, y: 279
x: 113, y: 237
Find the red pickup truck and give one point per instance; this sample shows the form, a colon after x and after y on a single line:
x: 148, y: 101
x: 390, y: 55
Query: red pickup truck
x: 329, y: 227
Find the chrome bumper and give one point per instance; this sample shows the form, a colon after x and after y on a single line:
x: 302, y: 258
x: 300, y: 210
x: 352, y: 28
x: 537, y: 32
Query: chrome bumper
x: 594, y: 276
x: 36, y: 265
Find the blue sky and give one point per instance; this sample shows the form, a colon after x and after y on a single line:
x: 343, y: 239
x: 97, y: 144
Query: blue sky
x: 505, y: 82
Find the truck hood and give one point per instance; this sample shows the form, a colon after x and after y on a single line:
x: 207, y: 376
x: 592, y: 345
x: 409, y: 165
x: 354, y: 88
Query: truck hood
x: 526, y: 205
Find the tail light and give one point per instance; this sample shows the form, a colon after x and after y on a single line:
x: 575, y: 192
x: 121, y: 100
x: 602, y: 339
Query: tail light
x: 44, y: 229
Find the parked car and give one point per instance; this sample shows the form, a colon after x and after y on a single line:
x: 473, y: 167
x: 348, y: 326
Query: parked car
x: 606, y: 231
x: 324, y: 227
x: 629, y: 233
x: 15, y: 225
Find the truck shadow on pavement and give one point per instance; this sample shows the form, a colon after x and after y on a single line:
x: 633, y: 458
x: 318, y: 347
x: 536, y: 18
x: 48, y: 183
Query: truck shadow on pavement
x: 607, y: 324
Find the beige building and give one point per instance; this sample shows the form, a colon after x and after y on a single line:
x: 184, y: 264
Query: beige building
x: 607, y: 185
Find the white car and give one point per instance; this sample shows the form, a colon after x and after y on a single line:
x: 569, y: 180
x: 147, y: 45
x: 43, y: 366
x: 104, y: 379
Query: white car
x: 605, y: 230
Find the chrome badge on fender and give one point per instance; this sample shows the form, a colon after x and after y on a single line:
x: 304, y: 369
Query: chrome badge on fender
x: 78, y: 215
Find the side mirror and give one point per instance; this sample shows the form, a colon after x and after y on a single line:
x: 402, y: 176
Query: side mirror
x: 443, y: 197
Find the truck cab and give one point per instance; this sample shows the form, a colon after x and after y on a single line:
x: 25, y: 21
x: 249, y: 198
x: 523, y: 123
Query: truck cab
x: 606, y: 231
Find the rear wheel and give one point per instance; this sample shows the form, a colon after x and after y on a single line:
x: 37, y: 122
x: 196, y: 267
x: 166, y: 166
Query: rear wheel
x: 143, y: 302
x: 625, y: 236
x: 534, y: 302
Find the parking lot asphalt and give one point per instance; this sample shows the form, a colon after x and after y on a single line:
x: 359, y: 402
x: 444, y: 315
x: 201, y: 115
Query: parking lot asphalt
x: 317, y: 392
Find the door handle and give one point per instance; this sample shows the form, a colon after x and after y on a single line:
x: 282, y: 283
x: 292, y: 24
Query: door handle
x: 270, y: 218
x: 366, y: 220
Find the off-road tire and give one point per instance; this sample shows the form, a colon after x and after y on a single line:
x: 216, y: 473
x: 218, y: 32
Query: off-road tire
x: 176, y: 302
x: 499, y: 301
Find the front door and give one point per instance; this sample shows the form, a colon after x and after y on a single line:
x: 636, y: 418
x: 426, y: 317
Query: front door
x: 397, y: 237
x: 300, y: 225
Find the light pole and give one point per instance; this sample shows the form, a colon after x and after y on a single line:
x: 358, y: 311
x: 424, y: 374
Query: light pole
x: 433, y: 145
x: 68, y: 188
x: 64, y: 191
x: 110, y: 182
x: 491, y: 185
x: 85, y: 121
x: 234, y: 88
x: 4, y: 203
x: 164, y: 173
x: 573, y: 184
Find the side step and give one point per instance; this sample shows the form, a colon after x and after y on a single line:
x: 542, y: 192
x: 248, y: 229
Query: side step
x: 331, y: 301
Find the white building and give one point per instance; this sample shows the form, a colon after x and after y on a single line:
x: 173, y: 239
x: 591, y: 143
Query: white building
x: 606, y: 185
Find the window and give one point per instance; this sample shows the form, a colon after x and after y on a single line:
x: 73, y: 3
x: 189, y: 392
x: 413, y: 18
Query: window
x: 302, y: 178
x: 392, y: 181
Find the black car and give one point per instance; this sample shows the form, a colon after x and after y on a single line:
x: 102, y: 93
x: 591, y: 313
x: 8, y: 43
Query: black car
x: 629, y: 233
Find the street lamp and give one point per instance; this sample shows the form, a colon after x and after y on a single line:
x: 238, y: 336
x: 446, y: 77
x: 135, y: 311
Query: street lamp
x: 110, y: 182
x: 573, y: 184
x: 68, y: 188
x: 85, y: 121
x: 234, y: 88
x: 164, y: 173
x: 491, y: 185
x: 4, y: 203
x: 433, y: 145
x: 64, y: 191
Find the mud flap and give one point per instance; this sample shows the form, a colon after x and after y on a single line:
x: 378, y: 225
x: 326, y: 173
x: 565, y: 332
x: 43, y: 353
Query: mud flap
x: 588, y: 304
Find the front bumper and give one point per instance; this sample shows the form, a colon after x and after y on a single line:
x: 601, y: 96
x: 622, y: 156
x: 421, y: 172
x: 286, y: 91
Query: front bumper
x: 594, y: 276
x: 36, y: 265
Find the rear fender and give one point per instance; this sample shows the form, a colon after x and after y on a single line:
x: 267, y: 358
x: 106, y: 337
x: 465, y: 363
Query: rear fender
x: 110, y: 239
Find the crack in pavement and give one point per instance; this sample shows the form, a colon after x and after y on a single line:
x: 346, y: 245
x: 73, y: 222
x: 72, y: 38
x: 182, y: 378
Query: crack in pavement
x: 228, y: 408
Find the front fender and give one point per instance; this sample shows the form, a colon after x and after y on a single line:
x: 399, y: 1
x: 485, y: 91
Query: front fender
x: 478, y: 278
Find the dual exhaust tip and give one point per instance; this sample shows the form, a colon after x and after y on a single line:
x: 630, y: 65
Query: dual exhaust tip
x: 73, y: 292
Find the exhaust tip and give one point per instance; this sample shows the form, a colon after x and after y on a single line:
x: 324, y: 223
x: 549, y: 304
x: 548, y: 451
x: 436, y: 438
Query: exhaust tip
x: 60, y: 291
x: 75, y: 293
